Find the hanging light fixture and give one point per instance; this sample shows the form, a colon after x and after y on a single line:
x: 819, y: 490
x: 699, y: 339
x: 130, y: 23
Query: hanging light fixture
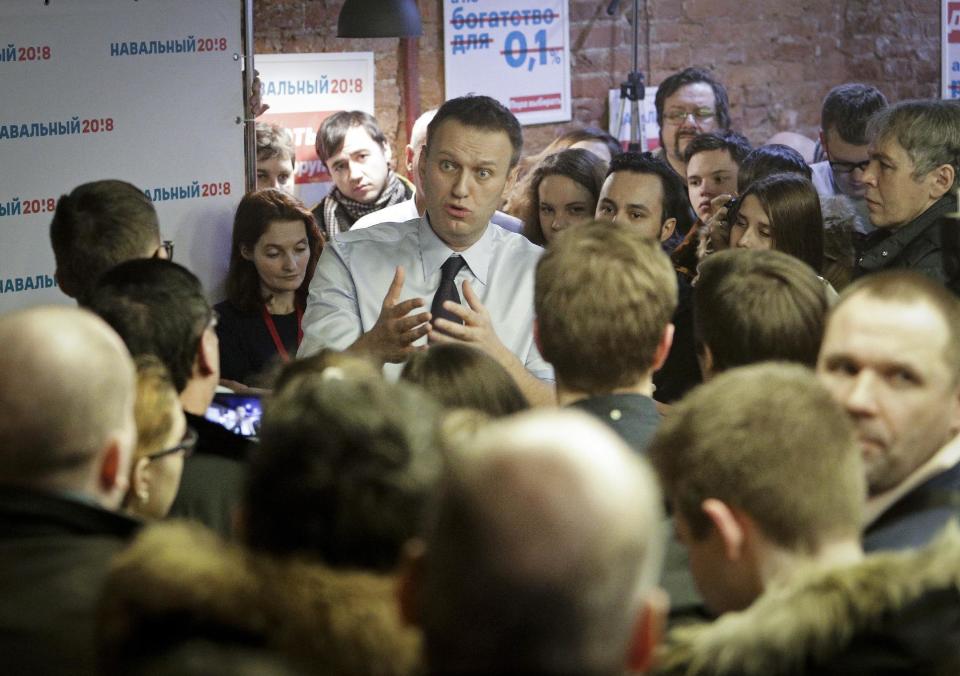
x: 379, y: 19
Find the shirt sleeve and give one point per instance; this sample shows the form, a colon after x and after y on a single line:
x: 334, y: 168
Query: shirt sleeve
x: 332, y: 318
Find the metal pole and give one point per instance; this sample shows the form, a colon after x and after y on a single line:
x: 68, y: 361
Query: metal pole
x: 249, y: 126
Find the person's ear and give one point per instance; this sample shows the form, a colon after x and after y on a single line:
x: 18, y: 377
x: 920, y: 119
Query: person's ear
x: 663, y: 347
x: 246, y: 253
x: 207, y: 358
x: 666, y: 230
x: 422, y: 165
x: 648, y: 631
x: 408, y: 155
x: 141, y: 478
x: 110, y: 474
x: 388, y: 154
x: 823, y: 143
x: 705, y: 357
x: 729, y: 527
x: 536, y: 335
x: 410, y: 581
x: 941, y: 180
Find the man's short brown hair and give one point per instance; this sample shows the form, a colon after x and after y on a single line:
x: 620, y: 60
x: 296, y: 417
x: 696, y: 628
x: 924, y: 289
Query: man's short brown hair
x: 604, y: 295
x: 752, y: 306
x: 769, y: 440
x: 334, y: 129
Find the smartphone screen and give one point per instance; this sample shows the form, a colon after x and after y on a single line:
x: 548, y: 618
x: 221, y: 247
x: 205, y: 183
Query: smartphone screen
x: 238, y: 413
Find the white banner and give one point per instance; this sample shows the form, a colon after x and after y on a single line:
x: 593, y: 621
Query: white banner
x: 950, y: 50
x: 302, y: 90
x: 149, y: 92
x: 516, y: 51
x: 648, y: 111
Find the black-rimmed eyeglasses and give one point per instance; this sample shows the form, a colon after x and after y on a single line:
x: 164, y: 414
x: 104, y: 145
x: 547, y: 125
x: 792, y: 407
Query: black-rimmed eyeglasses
x: 186, y: 445
x: 848, y: 167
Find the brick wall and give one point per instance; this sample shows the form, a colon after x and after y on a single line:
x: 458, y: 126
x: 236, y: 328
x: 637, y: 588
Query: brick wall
x: 777, y: 58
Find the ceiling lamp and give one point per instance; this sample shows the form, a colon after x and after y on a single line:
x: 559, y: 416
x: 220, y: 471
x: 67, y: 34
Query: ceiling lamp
x: 379, y: 19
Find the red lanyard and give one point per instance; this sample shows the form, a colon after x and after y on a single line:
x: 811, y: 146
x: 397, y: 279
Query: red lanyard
x: 272, y: 328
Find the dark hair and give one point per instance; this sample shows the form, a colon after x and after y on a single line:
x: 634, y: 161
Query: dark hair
x: 334, y: 128
x: 460, y: 376
x: 581, y: 134
x: 256, y: 212
x: 848, y: 107
x: 676, y: 203
x: 793, y: 207
x: 579, y: 165
x: 481, y: 112
x: 774, y: 158
x: 736, y: 144
x: 158, y: 308
x: 752, y: 306
x: 343, y: 470
x: 95, y: 227
x: 689, y: 76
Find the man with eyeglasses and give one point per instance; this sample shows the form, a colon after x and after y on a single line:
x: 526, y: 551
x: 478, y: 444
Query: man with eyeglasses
x: 67, y: 434
x: 688, y: 103
x: 159, y: 308
x: 99, y: 225
x: 911, y: 184
x: 843, y: 138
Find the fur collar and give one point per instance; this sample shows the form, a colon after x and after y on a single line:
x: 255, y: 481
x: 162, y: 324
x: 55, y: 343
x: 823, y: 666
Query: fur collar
x: 340, y: 622
x: 814, y: 616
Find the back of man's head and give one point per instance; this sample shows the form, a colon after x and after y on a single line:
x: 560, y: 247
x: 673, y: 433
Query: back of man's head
x: 543, y: 548
x: 769, y: 442
x: 158, y: 308
x: 675, y: 202
x: 343, y: 470
x: 847, y: 108
x: 97, y: 226
x: 604, y: 297
x: 773, y: 158
x: 752, y: 306
x: 67, y: 394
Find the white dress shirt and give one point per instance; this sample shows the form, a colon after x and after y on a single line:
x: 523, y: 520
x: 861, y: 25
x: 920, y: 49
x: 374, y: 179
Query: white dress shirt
x: 357, y: 267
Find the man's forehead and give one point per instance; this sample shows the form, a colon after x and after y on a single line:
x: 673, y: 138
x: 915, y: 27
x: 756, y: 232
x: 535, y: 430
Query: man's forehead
x: 487, y: 146
x: 895, y: 326
x: 635, y: 187
x: 708, y: 161
x: 840, y: 149
x: 696, y: 93
x: 357, y: 138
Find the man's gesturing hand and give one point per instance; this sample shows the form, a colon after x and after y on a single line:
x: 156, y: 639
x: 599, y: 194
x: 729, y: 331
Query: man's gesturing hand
x: 390, y: 338
x: 476, y: 329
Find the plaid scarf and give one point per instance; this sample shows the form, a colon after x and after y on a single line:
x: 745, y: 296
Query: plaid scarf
x: 340, y: 212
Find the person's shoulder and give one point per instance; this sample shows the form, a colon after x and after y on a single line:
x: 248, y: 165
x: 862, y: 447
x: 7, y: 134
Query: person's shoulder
x: 514, y: 244
x: 387, y: 232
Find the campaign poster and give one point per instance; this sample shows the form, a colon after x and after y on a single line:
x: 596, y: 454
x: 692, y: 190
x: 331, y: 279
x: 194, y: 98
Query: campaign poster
x: 515, y: 51
x: 950, y: 49
x: 648, y: 112
x: 150, y: 92
x: 302, y: 90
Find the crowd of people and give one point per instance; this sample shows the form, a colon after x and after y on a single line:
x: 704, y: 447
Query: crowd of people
x: 589, y: 411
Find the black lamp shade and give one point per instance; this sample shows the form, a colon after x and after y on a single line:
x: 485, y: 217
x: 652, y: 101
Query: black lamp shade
x: 379, y: 19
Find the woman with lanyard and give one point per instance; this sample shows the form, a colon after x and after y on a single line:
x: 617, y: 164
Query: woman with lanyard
x: 276, y: 244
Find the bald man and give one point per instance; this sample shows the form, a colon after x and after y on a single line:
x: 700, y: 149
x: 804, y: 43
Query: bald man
x: 551, y: 592
x: 66, y: 437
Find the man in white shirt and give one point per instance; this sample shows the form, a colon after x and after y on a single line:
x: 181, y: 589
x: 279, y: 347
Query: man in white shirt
x: 843, y: 137
x: 356, y: 297
x: 890, y: 356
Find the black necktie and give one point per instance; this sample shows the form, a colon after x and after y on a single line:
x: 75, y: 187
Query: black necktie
x: 447, y: 289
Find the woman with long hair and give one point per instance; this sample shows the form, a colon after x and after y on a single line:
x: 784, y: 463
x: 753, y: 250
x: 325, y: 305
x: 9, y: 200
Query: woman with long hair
x: 276, y: 244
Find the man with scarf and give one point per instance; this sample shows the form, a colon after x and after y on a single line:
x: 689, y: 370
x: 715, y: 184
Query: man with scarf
x: 357, y: 156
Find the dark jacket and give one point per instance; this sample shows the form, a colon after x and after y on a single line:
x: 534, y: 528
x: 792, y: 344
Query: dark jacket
x: 54, y: 555
x: 892, y: 613
x: 179, y: 582
x: 632, y: 416
x: 213, y: 477
x: 929, y: 244
x: 917, y: 517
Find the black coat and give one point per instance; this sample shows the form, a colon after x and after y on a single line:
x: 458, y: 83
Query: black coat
x: 54, y: 556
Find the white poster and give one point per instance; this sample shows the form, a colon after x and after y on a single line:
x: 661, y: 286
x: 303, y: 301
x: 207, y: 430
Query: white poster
x: 950, y: 49
x: 516, y: 52
x: 150, y: 92
x: 648, y: 111
x: 302, y: 90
